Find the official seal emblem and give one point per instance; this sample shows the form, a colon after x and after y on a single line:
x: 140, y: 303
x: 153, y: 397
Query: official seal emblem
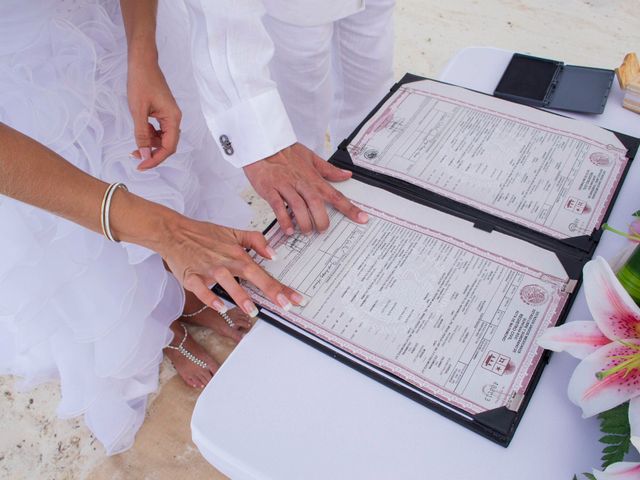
x: 600, y: 159
x: 533, y: 295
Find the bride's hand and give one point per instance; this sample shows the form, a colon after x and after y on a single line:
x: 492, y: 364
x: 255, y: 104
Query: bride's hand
x: 149, y: 96
x: 147, y: 90
x: 198, y: 253
x: 201, y: 254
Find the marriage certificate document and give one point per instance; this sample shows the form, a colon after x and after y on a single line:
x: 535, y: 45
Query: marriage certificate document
x: 451, y: 310
x: 482, y: 213
x: 552, y: 174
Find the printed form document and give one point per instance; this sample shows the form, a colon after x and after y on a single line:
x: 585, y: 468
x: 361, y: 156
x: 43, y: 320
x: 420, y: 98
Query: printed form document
x: 419, y: 295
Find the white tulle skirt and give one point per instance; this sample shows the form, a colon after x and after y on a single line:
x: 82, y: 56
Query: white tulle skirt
x: 74, y: 307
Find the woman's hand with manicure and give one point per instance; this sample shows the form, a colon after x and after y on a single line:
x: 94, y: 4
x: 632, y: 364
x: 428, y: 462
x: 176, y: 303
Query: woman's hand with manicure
x: 201, y: 254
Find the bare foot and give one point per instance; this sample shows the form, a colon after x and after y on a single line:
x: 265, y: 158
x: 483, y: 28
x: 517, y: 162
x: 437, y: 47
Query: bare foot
x: 192, y: 374
x: 213, y: 320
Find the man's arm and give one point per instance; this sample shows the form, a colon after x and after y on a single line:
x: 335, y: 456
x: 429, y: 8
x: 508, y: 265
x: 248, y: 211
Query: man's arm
x: 231, y: 54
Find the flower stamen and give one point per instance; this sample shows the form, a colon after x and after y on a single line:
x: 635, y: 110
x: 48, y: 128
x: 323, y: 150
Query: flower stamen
x: 631, y: 236
x: 631, y: 362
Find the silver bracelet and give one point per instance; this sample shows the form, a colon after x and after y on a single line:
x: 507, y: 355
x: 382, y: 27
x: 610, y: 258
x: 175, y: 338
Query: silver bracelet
x: 106, y: 207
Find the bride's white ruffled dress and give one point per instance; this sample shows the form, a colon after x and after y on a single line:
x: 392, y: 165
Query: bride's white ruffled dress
x: 74, y: 307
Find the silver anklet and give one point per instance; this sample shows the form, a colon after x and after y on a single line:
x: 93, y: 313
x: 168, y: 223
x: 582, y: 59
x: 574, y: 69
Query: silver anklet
x: 189, y: 315
x: 224, y: 315
x: 186, y: 353
x: 228, y: 319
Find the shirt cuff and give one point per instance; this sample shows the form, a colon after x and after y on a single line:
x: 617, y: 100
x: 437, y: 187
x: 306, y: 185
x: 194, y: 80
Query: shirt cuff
x: 251, y: 130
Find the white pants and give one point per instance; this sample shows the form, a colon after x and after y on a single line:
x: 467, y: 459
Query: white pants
x: 330, y: 76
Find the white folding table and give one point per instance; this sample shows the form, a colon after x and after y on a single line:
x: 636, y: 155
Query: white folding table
x: 279, y: 409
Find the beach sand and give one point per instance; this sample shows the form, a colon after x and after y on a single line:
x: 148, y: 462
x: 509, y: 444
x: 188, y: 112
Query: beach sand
x: 35, y: 444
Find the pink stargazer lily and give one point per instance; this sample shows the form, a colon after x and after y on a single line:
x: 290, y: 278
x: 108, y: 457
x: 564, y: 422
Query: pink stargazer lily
x: 634, y: 228
x: 619, y: 471
x: 609, y: 347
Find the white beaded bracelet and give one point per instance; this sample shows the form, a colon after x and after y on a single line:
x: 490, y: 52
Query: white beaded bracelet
x: 106, y: 207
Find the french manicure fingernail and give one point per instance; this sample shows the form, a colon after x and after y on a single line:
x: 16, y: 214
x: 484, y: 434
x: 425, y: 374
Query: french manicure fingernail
x: 219, y: 306
x: 250, y: 308
x: 145, y: 153
x: 299, y: 299
x: 272, y: 253
x: 131, y: 155
x: 363, y: 217
x: 283, y: 301
x: 289, y: 231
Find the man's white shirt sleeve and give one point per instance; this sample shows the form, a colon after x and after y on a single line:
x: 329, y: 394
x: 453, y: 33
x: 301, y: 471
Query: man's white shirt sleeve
x: 231, y: 52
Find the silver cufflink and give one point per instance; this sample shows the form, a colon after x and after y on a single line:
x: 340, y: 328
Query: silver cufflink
x: 226, y: 145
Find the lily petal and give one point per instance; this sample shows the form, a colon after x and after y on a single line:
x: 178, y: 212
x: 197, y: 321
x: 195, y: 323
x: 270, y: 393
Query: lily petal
x: 594, y: 395
x: 579, y: 339
x: 619, y: 471
x: 634, y: 227
x: 634, y: 421
x: 614, y: 311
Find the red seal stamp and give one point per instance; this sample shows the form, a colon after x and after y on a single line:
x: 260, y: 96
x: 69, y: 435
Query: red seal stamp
x: 600, y: 159
x: 533, y: 295
x: 498, y: 363
x: 576, y: 205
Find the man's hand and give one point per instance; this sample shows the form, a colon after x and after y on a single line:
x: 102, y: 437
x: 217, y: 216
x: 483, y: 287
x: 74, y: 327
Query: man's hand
x: 298, y: 177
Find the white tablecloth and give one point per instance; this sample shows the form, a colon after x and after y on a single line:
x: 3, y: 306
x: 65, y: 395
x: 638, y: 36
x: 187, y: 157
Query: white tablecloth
x: 279, y: 409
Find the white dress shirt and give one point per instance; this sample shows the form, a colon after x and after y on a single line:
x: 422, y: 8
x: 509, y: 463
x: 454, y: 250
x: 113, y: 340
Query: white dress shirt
x: 231, y: 53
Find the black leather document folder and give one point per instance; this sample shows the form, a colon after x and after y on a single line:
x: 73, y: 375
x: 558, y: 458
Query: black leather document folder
x: 482, y: 215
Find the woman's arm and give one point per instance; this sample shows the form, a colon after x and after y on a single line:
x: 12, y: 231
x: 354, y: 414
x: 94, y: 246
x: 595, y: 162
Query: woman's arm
x: 147, y: 90
x: 198, y: 253
x: 139, y: 18
x: 33, y: 174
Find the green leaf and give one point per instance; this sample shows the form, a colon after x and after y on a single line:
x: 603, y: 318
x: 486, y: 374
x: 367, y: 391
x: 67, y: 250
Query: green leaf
x: 614, y: 424
x: 617, y: 430
x: 637, y: 213
x: 614, y: 415
x: 587, y: 475
x: 611, y: 458
x: 611, y: 448
x: 621, y: 410
x: 611, y: 439
x: 615, y: 420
